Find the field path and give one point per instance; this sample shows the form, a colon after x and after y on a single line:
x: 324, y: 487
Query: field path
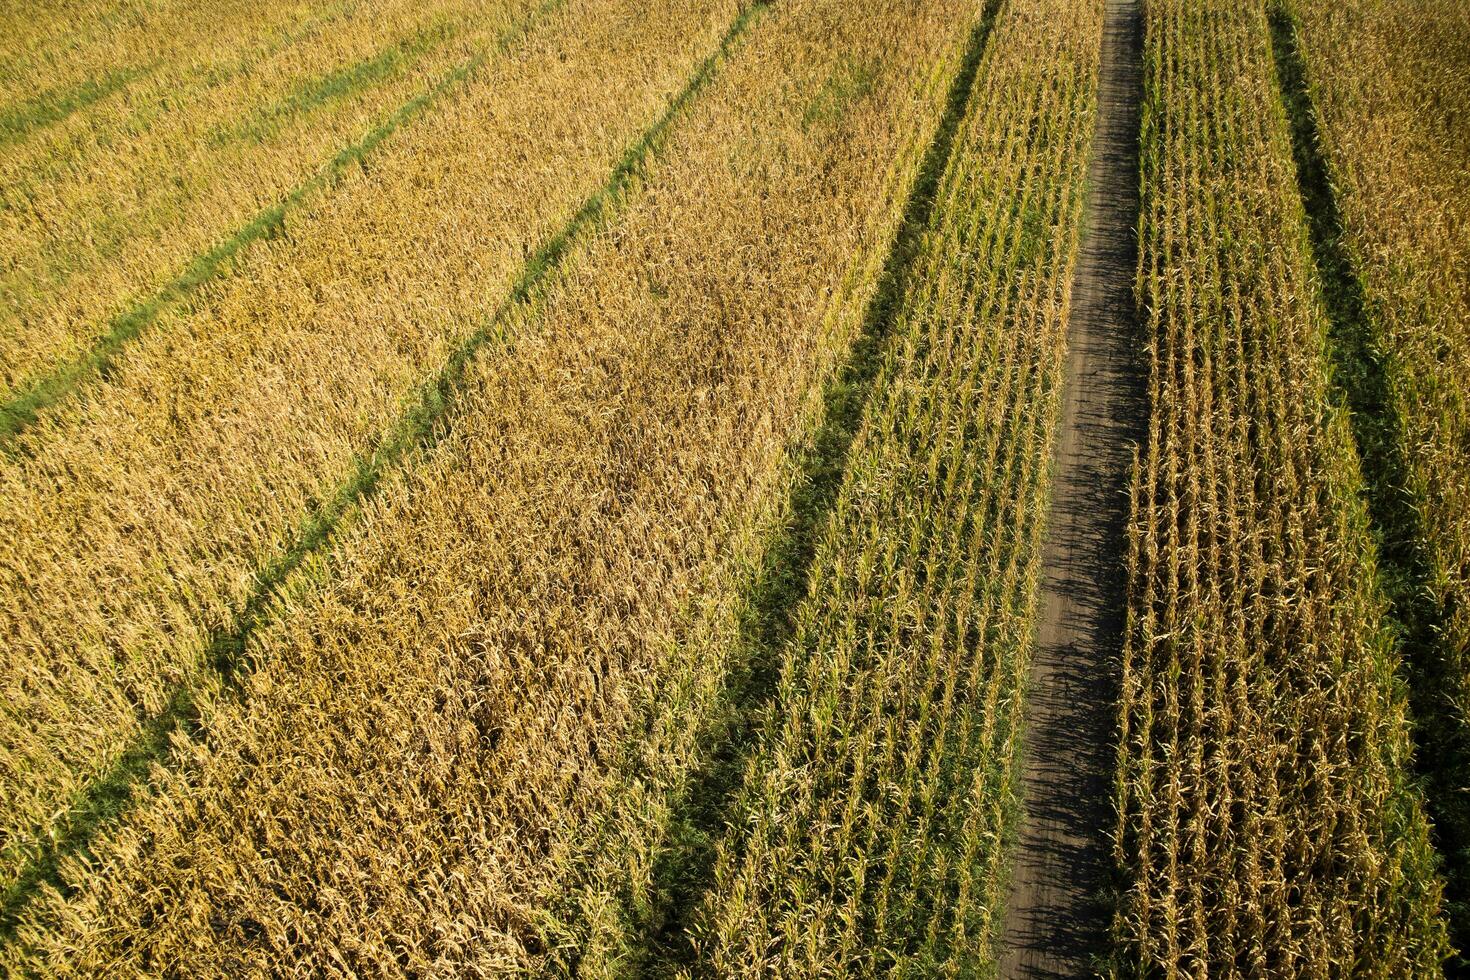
x: 1055, y: 921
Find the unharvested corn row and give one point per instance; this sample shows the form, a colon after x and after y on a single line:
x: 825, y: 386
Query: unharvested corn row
x: 1390, y: 84
x: 140, y: 522
x: 429, y: 726
x: 869, y: 837
x: 1268, y: 824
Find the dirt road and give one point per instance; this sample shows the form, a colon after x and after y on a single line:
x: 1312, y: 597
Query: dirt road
x: 1056, y: 923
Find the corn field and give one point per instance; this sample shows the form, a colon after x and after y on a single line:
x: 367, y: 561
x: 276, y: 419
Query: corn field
x: 214, y: 142
x: 899, y: 695
x: 1268, y: 824
x: 565, y: 487
x: 670, y: 429
x: 1387, y: 74
x: 129, y: 570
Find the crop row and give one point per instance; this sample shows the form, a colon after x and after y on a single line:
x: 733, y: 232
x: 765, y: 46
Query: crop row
x: 871, y: 835
x: 435, y: 709
x: 1268, y: 821
x: 101, y: 212
x: 1390, y: 98
x: 142, y: 525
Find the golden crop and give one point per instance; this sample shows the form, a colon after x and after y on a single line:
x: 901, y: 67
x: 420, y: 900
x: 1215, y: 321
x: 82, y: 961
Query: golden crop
x: 439, y: 703
x: 58, y: 58
x: 868, y: 838
x: 107, y: 207
x: 1268, y: 822
x: 140, y: 521
x: 558, y: 486
x: 1390, y: 84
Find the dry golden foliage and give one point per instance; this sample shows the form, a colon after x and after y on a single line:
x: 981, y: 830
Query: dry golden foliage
x: 440, y: 702
x: 1390, y: 84
x: 869, y: 836
x: 1268, y: 825
x: 62, y: 56
x: 89, y: 234
x: 137, y: 522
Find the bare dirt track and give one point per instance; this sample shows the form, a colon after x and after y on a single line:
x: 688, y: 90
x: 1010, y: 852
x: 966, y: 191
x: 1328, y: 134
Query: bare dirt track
x: 1056, y: 918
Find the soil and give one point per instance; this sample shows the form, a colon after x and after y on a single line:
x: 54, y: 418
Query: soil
x: 1058, y: 913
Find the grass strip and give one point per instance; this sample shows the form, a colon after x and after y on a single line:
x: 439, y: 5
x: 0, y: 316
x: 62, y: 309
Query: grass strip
x: 341, y: 82
x: 50, y: 108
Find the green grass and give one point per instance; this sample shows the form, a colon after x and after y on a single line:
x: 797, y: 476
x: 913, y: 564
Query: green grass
x: 338, y: 84
x: 52, y: 106
x: 850, y: 82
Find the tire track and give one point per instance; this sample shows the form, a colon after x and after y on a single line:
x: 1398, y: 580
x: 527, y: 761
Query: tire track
x: 1056, y: 915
